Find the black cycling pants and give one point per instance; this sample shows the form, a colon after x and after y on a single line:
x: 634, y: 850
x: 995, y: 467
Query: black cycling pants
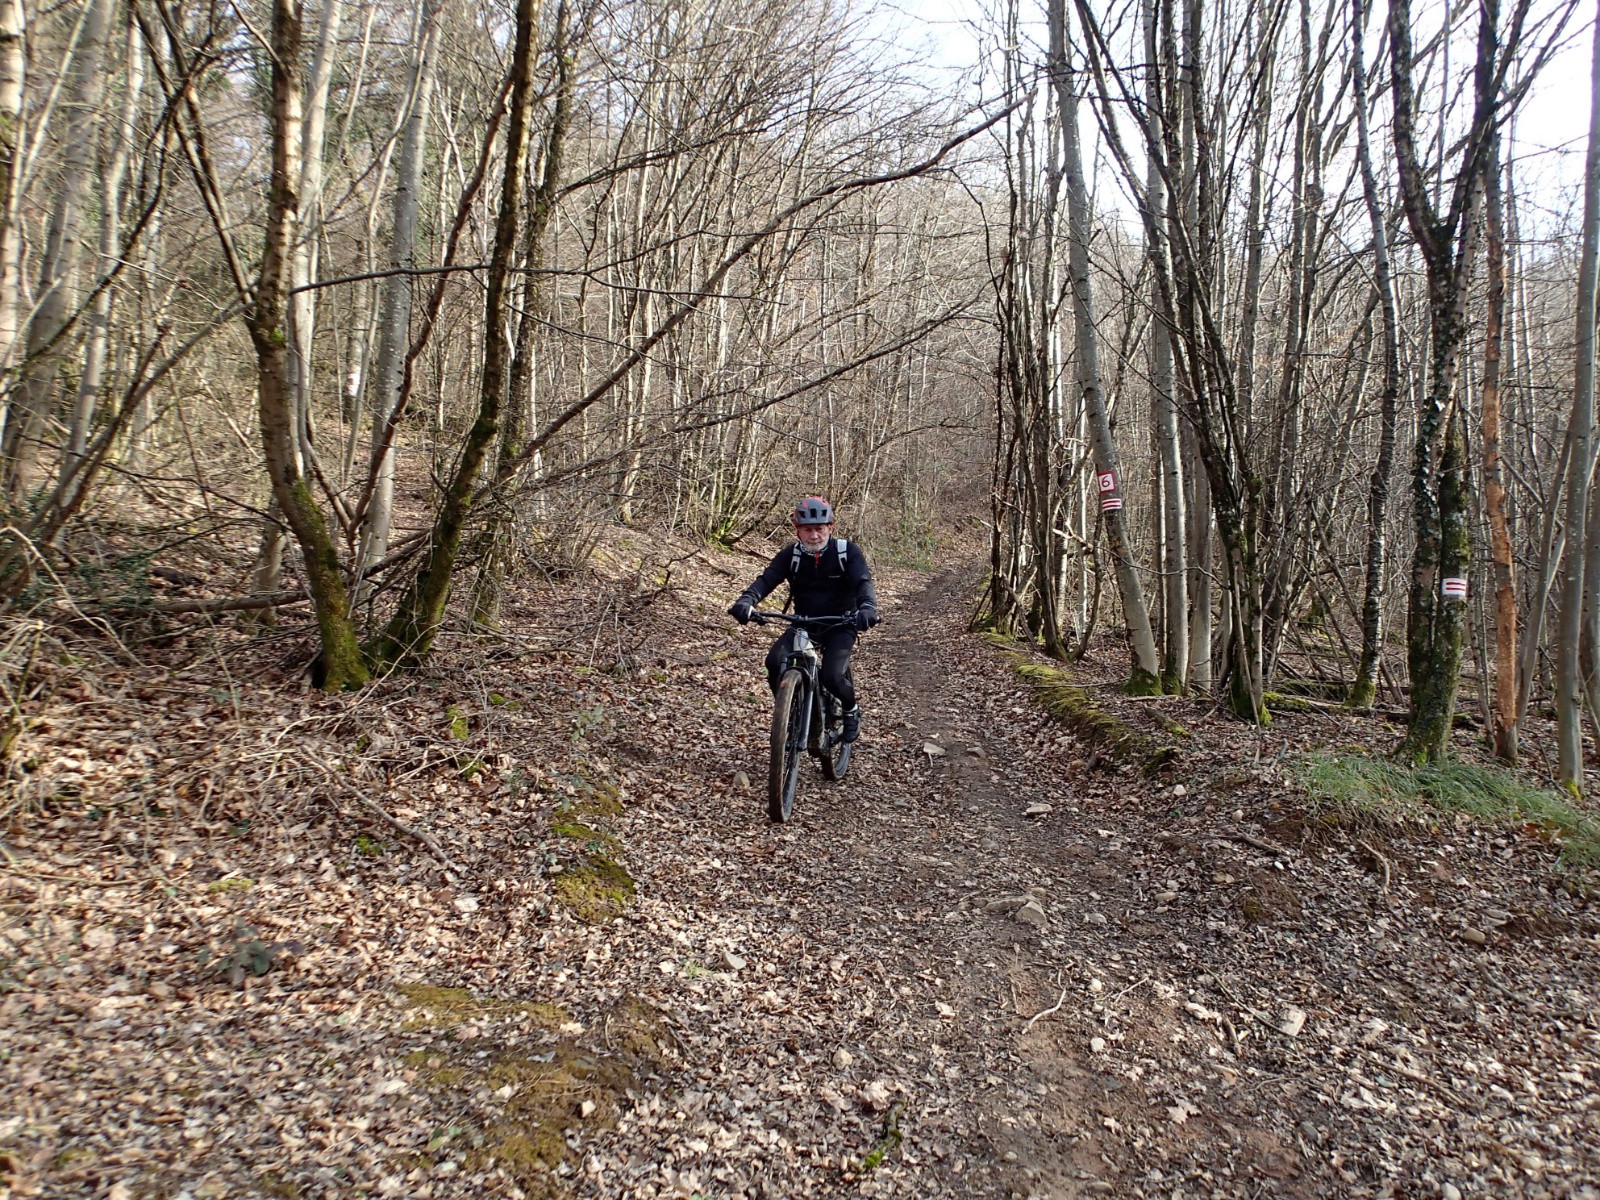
x: 835, y: 644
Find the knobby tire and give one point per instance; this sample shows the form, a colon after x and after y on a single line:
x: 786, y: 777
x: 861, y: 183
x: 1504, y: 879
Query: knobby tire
x: 835, y: 754
x: 788, y: 744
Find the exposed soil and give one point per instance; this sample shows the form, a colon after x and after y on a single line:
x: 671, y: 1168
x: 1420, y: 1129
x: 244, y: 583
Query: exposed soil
x: 1188, y: 986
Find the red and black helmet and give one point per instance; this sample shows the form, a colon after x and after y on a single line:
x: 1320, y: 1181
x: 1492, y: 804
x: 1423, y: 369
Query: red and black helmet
x: 813, y: 510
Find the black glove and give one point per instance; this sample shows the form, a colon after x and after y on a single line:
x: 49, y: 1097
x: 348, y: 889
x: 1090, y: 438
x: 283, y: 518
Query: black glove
x: 866, y: 617
x: 740, y: 611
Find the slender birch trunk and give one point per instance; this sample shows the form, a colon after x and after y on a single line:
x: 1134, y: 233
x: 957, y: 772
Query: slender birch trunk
x: 13, y: 74
x: 38, y: 391
x: 301, y: 300
x: 394, y: 307
x: 1144, y: 677
x: 1173, y: 515
x: 340, y: 664
x: 1364, y: 691
x: 98, y: 323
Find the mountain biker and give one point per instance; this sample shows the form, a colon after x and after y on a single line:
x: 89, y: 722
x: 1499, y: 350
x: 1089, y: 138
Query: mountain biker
x: 827, y: 577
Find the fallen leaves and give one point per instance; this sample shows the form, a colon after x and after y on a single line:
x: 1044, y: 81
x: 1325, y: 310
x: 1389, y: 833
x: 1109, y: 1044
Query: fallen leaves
x: 922, y: 940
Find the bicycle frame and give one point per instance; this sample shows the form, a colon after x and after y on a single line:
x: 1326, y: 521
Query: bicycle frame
x: 804, y: 656
x: 806, y: 717
x: 815, y: 734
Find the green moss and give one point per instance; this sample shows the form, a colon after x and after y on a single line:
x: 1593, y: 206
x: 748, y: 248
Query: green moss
x: 1070, y: 704
x: 237, y: 884
x: 1278, y: 702
x: 1143, y: 683
x: 1363, y: 693
x: 460, y: 727
x: 434, y: 1007
x: 888, y: 1141
x: 599, y: 892
x: 591, y: 838
x: 546, y: 1094
x: 273, y: 1184
x: 595, y: 799
x: 369, y: 846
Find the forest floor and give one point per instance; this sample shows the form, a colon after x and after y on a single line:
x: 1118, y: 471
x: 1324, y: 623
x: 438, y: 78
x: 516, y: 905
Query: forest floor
x: 518, y: 926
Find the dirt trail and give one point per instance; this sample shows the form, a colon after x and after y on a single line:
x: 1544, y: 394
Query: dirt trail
x: 920, y: 995
x: 1117, y: 997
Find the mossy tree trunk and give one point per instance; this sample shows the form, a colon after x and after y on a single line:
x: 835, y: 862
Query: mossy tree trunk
x: 498, y: 527
x: 342, y: 665
x: 1439, y: 485
x: 411, y: 632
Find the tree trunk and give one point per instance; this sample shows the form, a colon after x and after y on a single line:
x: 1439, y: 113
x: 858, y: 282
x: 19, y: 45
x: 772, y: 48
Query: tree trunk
x: 416, y: 623
x: 97, y: 334
x: 1504, y: 709
x: 302, y: 301
x: 497, y: 539
x: 1580, y: 470
x: 341, y: 664
x: 394, y: 307
x: 1173, y: 515
x: 13, y: 73
x: 37, y: 393
x: 1364, y: 692
x: 1144, y: 676
x: 1439, y: 484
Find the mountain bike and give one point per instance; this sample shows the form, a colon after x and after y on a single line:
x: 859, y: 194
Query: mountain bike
x: 806, y: 717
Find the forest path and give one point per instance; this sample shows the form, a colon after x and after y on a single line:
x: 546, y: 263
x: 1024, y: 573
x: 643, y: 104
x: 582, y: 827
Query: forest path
x: 906, y: 973
x: 913, y: 989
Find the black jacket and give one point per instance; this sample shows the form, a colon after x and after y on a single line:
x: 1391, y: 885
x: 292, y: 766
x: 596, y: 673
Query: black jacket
x: 819, y: 586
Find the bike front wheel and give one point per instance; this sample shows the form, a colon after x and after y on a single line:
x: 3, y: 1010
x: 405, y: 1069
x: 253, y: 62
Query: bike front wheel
x: 788, y: 744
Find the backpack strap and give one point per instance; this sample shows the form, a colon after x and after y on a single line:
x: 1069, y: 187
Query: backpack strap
x: 844, y: 554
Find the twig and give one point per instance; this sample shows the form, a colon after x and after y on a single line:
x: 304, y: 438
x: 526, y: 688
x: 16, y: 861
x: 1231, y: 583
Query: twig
x: 17, y: 867
x: 1379, y: 859
x: 1039, y: 1016
x: 433, y: 846
x: 1129, y: 988
x: 1250, y: 839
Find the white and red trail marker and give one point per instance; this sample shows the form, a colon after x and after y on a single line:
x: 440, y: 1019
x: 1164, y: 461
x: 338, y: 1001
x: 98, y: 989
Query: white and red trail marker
x: 1454, y: 588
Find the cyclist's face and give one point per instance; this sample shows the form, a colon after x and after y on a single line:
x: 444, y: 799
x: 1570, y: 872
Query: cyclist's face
x: 813, y: 537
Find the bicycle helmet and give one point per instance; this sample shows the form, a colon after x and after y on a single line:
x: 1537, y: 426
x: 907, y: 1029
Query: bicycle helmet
x: 813, y: 510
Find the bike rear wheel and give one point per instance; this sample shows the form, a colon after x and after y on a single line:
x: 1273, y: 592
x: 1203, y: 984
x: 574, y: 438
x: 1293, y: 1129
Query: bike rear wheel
x: 788, y: 744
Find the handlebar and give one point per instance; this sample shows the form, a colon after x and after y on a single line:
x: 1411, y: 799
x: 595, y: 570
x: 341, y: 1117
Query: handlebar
x: 757, y: 617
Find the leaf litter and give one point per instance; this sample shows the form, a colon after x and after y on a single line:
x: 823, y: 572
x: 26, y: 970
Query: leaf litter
x: 517, y: 926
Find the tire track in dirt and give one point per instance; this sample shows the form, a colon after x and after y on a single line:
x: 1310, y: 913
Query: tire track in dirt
x: 885, y: 982
x: 1051, y: 1117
